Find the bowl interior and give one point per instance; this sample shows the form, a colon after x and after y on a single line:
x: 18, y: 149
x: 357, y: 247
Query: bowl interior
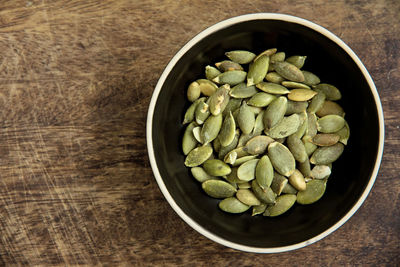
x: 351, y: 173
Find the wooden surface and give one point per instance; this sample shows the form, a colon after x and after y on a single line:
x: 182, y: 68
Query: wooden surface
x: 76, y: 79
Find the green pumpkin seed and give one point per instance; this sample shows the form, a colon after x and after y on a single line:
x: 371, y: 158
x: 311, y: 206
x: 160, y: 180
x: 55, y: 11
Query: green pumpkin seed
x: 278, y: 57
x: 247, y: 197
x: 312, y: 126
x: 283, y: 204
x: 287, y: 126
x: 240, y: 56
x: 330, y: 108
x: 200, y: 174
x: 315, y: 189
x: 257, y: 70
x: 303, y: 125
x: 261, y: 100
x: 232, y: 105
x: 198, y: 156
x: 241, y: 160
x: 247, y: 171
x: 207, y: 87
x: 234, y: 154
x: 255, y: 110
x: 211, y: 72
x: 305, y: 167
x: 325, y: 139
x: 296, y: 146
x: 344, y: 134
x: 232, y: 177
x: 278, y: 183
x: 268, y: 52
x: 193, y: 91
x: 219, y: 100
x: 330, y: 123
x: 289, y: 84
x: 316, y: 103
x: 298, y: 61
x: 233, y: 205
x: 301, y: 94
x: 310, y: 78
x: 275, y: 112
x: 272, y: 88
x: 226, y: 149
x: 289, y: 71
x: 228, y: 65
x: 331, y: 92
x: 264, y: 172
x: 309, y: 146
x: 211, y: 128
x: 216, y: 167
x: 259, y: 209
x: 274, y: 77
x: 246, y: 119
x: 295, y: 107
x: 258, y: 144
x: 297, y: 180
x: 320, y: 172
x: 243, y: 139
x: 189, y: 114
x: 232, y: 77
x: 218, y: 188
x: 189, y: 142
x: 327, y: 154
x: 258, y: 124
x: 288, y: 189
x: 228, y: 130
x: 281, y: 158
x: 243, y: 91
x: 202, y: 112
x: 197, y: 134
x: 216, y: 145
x: 245, y: 185
x: 265, y: 195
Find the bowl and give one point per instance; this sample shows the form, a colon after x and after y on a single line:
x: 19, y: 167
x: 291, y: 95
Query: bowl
x: 353, y: 175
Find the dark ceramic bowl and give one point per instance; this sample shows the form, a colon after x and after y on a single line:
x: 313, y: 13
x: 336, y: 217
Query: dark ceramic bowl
x: 353, y: 174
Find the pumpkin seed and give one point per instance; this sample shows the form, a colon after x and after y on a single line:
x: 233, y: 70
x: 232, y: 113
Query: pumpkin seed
x: 244, y: 185
x: 312, y: 126
x: 232, y: 105
x: 207, y: 87
x: 228, y: 65
x: 255, y: 110
x: 258, y: 144
x: 301, y: 94
x: 264, y: 172
x: 278, y: 57
x: 246, y: 119
x: 193, y: 91
x: 232, y: 77
x: 243, y: 139
x: 330, y: 108
x: 211, y: 72
x: 316, y: 103
x: 303, y: 124
x: 219, y: 100
x: 330, y: 123
x: 309, y: 146
x: 211, y: 128
x: 218, y: 188
x: 305, y: 167
x: 257, y: 70
x: 216, y: 145
x: 272, y: 88
x: 297, y: 180
x: 226, y: 149
x: 189, y: 114
x: 344, y: 134
x: 261, y: 100
x: 216, y: 167
x: 232, y: 177
x: 296, y: 146
x: 283, y: 204
x: 197, y: 134
x: 331, y: 92
x: 258, y: 209
x: 315, y: 189
x: 278, y: 183
x: 241, y: 160
x: 320, y: 172
x: 258, y: 124
x: 298, y: 61
x: 295, y: 107
x: 288, y: 189
x: 274, y: 77
x: 243, y: 91
x: 268, y: 52
x: 265, y: 195
x: 240, y: 56
x: 281, y: 158
x: 247, y: 171
x: 289, y: 71
x: 287, y: 126
x: 327, y: 154
x: 228, y: 130
x: 325, y: 139
x: 289, y: 84
x: 202, y: 112
x: 275, y: 112
x: 247, y: 197
x: 310, y: 78
x: 234, y: 154
x: 189, y: 142
x: 200, y: 174
x: 198, y: 156
x: 232, y: 205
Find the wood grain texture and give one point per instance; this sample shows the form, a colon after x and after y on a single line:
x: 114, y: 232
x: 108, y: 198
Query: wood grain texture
x: 76, y: 79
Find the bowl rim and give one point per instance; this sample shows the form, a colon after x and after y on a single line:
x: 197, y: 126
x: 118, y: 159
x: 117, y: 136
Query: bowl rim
x: 216, y: 27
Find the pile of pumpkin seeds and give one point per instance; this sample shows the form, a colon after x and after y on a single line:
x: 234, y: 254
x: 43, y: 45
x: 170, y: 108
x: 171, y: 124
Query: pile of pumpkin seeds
x: 263, y: 135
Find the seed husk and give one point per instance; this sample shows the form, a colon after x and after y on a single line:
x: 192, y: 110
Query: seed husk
x: 261, y: 99
x: 218, y: 188
x: 327, y: 154
x: 257, y: 70
x: 297, y: 180
x: 216, y: 167
x: 316, y: 103
x: 219, y: 100
x: 200, y: 174
x: 227, y: 65
x: 243, y: 91
x: 211, y: 128
x: 281, y: 158
x: 258, y: 209
x: 272, y: 88
x: 207, y: 87
x: 312, y: 126
x: 301, y: 94
x: 241, y: 160
x: 278, y: 183
x: 189, y: 114
x: 211, y: 72
x: 226, y: 149
x: 309, y: 146
x: 344, y: 134
x: 296, y: 146
x: 310, y: 78
x: 320, y: 172
x: 283, y: 204
x: 232, y: 105
x: 331, y: 92
x: 240, y: 56
x: 258, y: 144
x: 289, y: 84
x: 265, y: 195
x: 325, y: 139
x: 246, y: 119
x: 288, y: 189
x: 197, y: 134
x: 305, y: 167
x: 247, y: 171
x: 274, y: 77
x: 330, y: 123
x: 289, y: 71
x: 287, y: 126
x: 189, y: 142
x: 232, y: 77
x: 275, y: 112
x: 264, y: 172
x: 198, y: 156
x: 298, y: 61
x: 233, y: 205
x: 193, y: 91
x: 247, y: 197
x: 228, y: 130
x: 295, y: 107
x: 315, y: 189
x: 202, y: 112
x: 330, y: 108
x: 269, y: 52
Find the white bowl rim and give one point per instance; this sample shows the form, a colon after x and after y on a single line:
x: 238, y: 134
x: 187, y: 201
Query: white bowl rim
x: 226, y: 23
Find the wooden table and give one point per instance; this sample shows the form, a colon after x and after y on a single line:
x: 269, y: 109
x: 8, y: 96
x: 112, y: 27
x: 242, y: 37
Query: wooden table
x: 76, y: 79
